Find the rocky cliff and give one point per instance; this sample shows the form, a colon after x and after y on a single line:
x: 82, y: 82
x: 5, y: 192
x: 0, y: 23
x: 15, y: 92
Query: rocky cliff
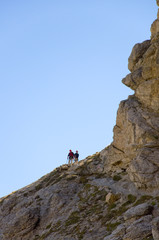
x: 112, y: 195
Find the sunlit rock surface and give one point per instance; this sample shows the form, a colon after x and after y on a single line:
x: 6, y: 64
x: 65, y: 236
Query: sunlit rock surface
x: 112, y: 195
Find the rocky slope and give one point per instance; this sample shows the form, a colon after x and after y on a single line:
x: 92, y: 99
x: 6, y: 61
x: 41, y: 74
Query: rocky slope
x: 112, y: 195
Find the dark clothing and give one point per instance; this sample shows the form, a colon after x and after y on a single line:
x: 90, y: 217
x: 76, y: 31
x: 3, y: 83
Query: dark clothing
x: 71, y: 155
x: 76, y: 155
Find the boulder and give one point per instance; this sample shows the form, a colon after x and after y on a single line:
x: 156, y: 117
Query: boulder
x: 138, y: 211
x: 110, y: 198
x: 137, y: 53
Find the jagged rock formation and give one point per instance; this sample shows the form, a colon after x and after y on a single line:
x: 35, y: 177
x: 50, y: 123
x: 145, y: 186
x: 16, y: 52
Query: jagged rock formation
x: 112, y: 195
x: 136, y: 134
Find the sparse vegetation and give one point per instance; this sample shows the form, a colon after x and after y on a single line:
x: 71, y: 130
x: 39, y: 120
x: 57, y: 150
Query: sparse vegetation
x: 100, y: 175
x: 153, y: 203
x: 48, y: 226
x: 148, y: 238
x: 87, y: 186
x: 94, y: 209
x: 112, y: 226
x: 131, y: 199
x: 52, y: 178
x: 43, y: 236
x: 143, y: 199
x: 56, y: 226
x: 80, y: 235
x: 83, y: 179
x: 111, y: 206
x: 121, y: 210
x: 73, y: 218
x: 117, y: 178
x: 38, y: 187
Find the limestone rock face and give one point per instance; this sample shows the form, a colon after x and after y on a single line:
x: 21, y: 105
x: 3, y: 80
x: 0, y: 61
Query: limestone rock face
x: 140, y: 229
x: 135, y: 146
x: 138, y: 51
x: 155, y: 24
x: 111, y: 195
x: 77, y: 202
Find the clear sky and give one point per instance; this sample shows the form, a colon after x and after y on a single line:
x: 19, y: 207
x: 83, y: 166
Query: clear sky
x: 61, y: 66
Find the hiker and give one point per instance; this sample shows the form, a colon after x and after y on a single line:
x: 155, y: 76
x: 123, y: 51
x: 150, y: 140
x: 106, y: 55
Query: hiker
x: 76, y: 156
x: 70, y: 157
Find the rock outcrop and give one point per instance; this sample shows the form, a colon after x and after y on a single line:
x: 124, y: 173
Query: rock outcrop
x: 112, y: 195
x: 135, y: 147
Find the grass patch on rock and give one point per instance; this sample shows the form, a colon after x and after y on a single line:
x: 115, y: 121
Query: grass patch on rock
x: 148, y: 238
x: 39, y: 186
x: 87, y: 186
x: 56, y: 226
x: 83, y: 180
x: 117, y: 178
x: 48, y: 226
x: 72, y: 219
x: 111, y: 206
x: 143, y: 199
x: 112, y: 226
x: 131, y: 198
x: 45, y: 235
x: 52, y: 178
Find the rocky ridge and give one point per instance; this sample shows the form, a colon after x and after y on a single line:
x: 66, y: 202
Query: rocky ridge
x: 112, y: 195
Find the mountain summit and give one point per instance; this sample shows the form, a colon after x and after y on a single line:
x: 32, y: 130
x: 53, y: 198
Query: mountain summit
x: 111, y: 195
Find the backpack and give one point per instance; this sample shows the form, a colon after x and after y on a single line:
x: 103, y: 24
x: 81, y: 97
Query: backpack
x: 71, y: 154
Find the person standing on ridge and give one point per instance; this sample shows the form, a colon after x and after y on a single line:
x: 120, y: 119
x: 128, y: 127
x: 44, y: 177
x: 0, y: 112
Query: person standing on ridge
x: 76, y: 155
x: 70, y: 157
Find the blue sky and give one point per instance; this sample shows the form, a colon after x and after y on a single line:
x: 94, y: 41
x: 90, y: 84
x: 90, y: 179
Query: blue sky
x: 61, y: 66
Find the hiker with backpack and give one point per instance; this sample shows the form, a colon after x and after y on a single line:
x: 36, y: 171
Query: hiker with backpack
x: 70, y: 157
x: 76, y: 156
